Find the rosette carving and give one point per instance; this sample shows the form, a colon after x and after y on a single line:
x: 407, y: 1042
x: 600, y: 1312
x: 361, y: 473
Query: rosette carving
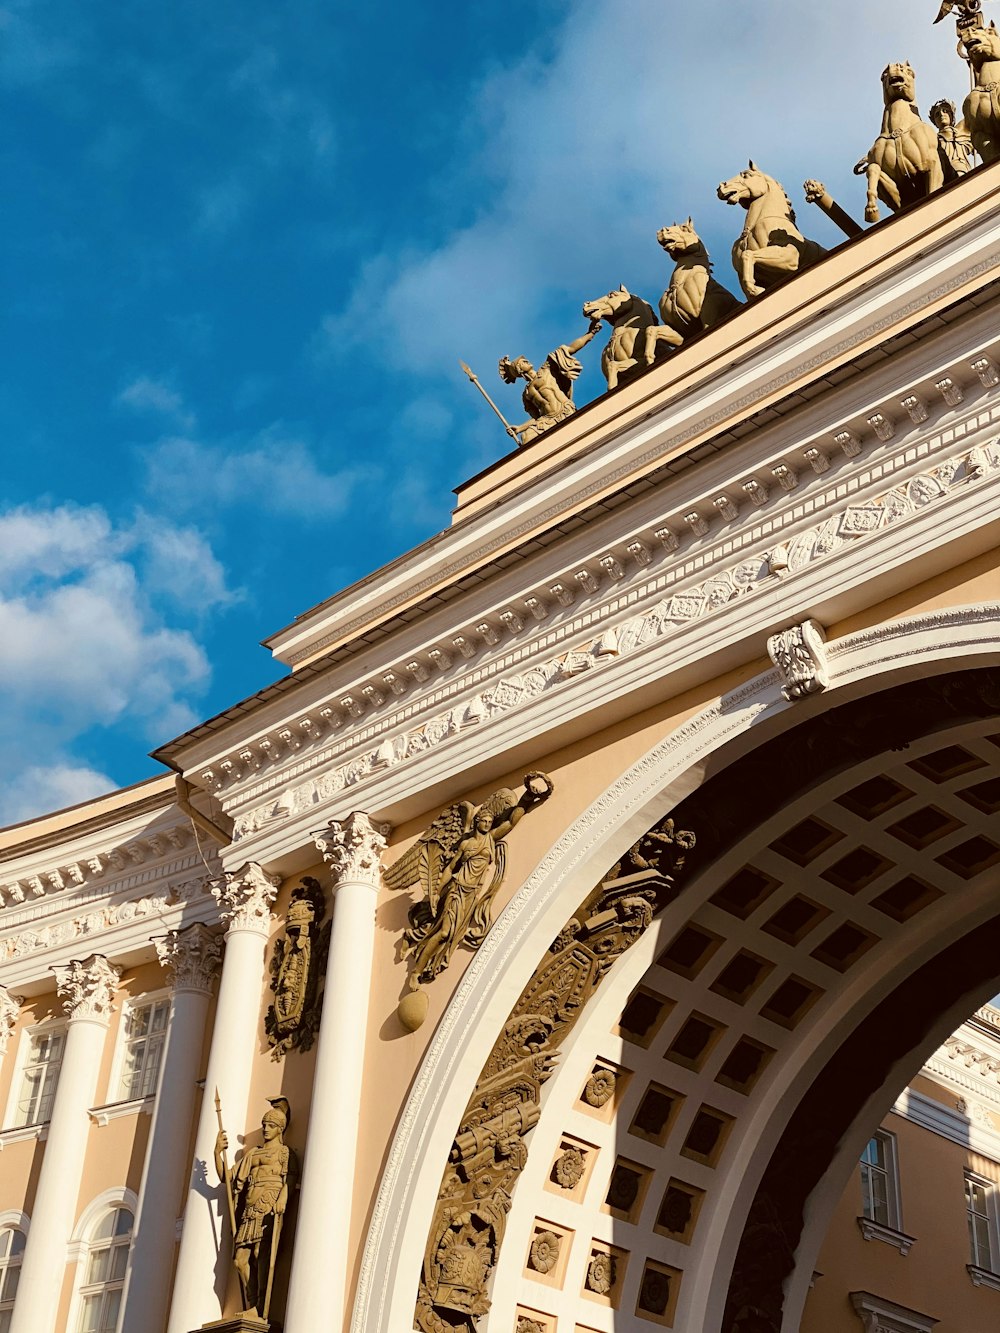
x: 544, y: 1251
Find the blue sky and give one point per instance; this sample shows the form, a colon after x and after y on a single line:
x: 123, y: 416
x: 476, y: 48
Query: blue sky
x: 244, y: 247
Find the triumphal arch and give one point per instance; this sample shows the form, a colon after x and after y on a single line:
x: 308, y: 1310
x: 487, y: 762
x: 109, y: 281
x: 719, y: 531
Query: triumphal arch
x: 538, y: 954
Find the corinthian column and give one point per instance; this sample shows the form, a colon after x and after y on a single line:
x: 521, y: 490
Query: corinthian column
x: 203, y: 1265
x: 10, y: 1007
x: 88, y: 987
x: 352, y: 849
x: 192, y: 957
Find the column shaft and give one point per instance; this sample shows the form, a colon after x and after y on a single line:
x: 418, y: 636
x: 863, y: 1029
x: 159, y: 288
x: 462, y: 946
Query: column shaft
x: 204, y: 1261
x: 324, y: 1212
x: 193, y: 954
x: 54, y: 1210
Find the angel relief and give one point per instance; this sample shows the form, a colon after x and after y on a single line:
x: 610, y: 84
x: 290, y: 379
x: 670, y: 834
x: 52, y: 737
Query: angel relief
x: 459, y: 863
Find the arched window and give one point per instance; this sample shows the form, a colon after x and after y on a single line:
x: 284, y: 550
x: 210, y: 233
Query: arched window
x: 104, y: 1271
x: 11, y: 1250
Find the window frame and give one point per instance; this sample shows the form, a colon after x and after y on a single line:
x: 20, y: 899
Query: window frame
x: 891, y: 1230
x: 988, y: 1274
x: 48, y: 1027
x: 12, y: 1220
x: 82, y: 1245
x: 116, y: 1094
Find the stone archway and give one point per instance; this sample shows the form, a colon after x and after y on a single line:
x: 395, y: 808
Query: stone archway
x: 918, y: 647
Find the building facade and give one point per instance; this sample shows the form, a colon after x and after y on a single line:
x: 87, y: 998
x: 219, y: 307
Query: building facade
x: 575, y: 908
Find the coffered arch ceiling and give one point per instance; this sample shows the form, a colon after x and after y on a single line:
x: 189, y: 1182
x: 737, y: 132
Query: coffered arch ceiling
x: 838, y: 920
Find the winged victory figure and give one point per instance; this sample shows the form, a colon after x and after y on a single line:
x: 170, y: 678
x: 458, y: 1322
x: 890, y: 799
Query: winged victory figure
x: 459, y: 862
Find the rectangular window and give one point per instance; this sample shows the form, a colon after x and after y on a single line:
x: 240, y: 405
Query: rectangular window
x: 39, y: 1077
x: 879, y: 1194
x: 978, y: 1205
x: 145, y: 1034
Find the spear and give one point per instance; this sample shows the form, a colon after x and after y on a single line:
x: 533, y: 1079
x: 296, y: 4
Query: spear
x: 228, y: 1182
x: 475, y: 380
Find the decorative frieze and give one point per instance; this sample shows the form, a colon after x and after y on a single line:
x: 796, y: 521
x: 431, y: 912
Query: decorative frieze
x: 191, y: 955
x: 839, y: 529
x: 87, y: 987
x: 245, y: 897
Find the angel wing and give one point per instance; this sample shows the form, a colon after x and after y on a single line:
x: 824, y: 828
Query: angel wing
x: 499, y: 804
x: 427, y: 858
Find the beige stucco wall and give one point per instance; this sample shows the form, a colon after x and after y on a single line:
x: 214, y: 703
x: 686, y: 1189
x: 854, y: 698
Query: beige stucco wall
x: 932, y: 1278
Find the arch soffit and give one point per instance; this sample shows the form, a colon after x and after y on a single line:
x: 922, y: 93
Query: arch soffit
x: 735, y: 724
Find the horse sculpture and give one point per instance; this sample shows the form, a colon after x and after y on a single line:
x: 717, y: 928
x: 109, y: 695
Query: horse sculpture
x: 982, y: 106
x: 771, y: 246
x: 903, y: 165
x: 629, y: 316
x: 694, y: 300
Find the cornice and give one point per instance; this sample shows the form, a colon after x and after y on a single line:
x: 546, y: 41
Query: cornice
x: 856, y: 523
x: 678, y: 418
x: 601, y: 590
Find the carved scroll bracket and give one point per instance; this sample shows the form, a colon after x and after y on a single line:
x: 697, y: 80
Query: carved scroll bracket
x: 799, y: 654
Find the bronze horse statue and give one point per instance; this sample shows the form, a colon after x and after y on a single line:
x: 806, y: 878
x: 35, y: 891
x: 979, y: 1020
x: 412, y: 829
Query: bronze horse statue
x: 771, y: 246
x: 903, y: 165
x: 629, y: 316
x: 694, y: 300
x: 982, y: 106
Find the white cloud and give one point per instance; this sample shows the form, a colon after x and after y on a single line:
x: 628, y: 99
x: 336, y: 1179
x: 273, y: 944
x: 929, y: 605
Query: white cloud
x: 631, y: 121
x: 146, y: 394
x: 92, y: 630
x: 40, y: 789
x: 275, y: 474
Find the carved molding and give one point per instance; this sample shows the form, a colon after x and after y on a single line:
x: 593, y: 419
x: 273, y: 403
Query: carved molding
x: 192, y: 956
x: 88, y: 988
x: 935, y: 637
x: 99, y: 866
x: 353, y: 848
x: 245, y: 897
x: 852, y: 524
x: 490, y: 1149
x: 799, y: 654
x: 698, y: 425
x: 10, y: 1007
x: 100, y: 919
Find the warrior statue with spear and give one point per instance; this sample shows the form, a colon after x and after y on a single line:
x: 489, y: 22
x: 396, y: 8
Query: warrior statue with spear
x: 257, y: 1195
x: 548, y: 393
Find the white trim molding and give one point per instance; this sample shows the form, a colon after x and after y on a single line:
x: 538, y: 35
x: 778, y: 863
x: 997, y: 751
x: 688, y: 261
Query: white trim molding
x: 877, y: 658
x: 879, y: 1315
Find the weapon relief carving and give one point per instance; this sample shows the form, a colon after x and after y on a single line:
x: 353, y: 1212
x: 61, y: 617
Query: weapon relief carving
x: 297, y: 964
x: 490, y: 1148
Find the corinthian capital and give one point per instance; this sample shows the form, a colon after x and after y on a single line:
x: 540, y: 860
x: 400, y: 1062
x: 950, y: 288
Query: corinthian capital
x: 88, y: 987
x: 245, y: 897
x: 352, y: 848
x: 10, y: 1006
x: 192, y: 955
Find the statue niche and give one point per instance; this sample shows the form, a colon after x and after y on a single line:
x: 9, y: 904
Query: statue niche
x: 694, y: 301
x: 459, y: 862
x: 298, y: 962
x: 903, y: 165
x: 770, y: 247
